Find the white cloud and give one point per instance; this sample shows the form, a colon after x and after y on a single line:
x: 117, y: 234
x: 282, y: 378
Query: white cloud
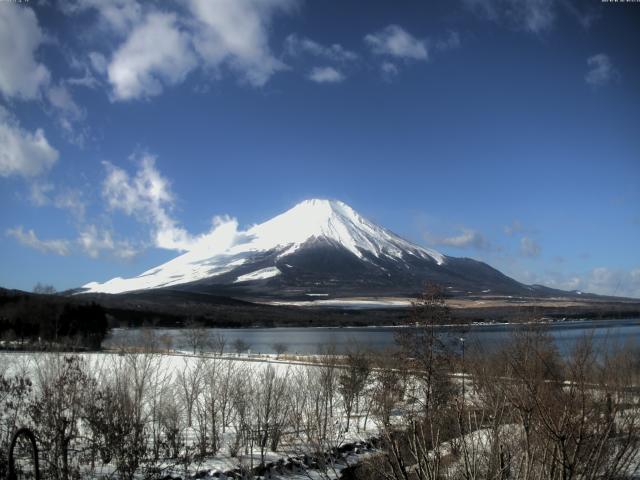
x: 450, y: 42
x: 21, y: 75
x: 615, y: 281
x: 326, y: 75
x: 156, y: 53
x: 91, y: 241
x: 71, y: 200
x: 87, y: 80
x: 114, y: 15
x: 601, y: 70
x: 601, y: 280
x: 98, y: 62
x: 42, y: 193
x: 95, y: 242
x: 30, y: 239
x: 61, y: 99
x: 585, y: 13
x: 235, y: 33
x: 396, y: 42
x: 296, y: 45
x: 529, y: 247
x: 148, y: 197
x: 468, y: 238
x: 39, y: 193
x: 23, y: 153
x: 68, y: 113
x: 533, y: 16
x: 161, y: 48
x: 389, y: 70
x: 514, y: 228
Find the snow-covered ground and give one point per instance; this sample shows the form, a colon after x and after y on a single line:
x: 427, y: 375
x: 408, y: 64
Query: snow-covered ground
x: 166, y: 372
x: 355, y: 303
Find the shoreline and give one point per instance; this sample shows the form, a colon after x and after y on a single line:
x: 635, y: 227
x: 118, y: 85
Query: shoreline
x: 570, y: 321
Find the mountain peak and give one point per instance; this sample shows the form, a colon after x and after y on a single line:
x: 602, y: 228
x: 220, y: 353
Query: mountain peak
x: 322, y: 207
x: 310, y: 221
x: 310, y: 215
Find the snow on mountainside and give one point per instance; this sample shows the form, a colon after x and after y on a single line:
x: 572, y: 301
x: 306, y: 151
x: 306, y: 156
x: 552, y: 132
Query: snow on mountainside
x: 309, y: 222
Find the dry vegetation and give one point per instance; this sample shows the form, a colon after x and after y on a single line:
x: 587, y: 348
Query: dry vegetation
x: 523, y: 412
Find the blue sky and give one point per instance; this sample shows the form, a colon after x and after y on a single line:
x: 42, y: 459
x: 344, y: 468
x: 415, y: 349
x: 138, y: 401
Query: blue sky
x: 503, y: 130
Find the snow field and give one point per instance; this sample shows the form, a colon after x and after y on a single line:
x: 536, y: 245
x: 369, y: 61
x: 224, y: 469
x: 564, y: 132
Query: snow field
x: 286, y: 393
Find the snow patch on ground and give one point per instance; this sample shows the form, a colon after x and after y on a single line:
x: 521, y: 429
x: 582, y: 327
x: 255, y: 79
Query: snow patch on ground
x: 348, y: 303
x: 258, y: 274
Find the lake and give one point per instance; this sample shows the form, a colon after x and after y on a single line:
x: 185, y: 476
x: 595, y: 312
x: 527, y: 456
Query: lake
x: 310, y: 340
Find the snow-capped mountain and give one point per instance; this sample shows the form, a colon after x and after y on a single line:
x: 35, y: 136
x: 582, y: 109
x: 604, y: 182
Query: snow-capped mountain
x: 318, y: 247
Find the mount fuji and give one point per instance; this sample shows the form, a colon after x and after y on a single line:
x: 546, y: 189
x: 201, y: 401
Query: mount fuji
x: 318, y: 248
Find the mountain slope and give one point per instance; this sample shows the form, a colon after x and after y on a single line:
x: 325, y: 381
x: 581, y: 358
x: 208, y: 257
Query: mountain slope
x: 319, y: 247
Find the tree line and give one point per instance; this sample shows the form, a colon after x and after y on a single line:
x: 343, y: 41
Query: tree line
x: 45, y: 321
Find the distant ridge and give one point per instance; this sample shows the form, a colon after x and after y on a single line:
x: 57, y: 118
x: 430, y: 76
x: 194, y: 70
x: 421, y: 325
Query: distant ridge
x: 318, y: 247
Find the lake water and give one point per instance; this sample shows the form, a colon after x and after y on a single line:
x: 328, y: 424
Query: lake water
x: 311, y: 340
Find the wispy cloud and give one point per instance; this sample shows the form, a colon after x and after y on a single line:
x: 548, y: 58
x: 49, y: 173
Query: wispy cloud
x: 533, y: 16
x: 529, y: 247
x: 72, y: 200
x: 601, y: 70
x: 514, y: 228
x: 30, y: 239
x: 68, y: 113
x: 296, y: 45
x: 395, y: 41
x: 326, y: 75
x: 115, y: 16
x: 600, y: 280
x: 97, y: 242
x: 43, y: 193
x: 389, y: 70
x: 449, y: 42
x: 467, y: 238
x: 39, y: 192
x: 91, y: 241
x: 147, y: 196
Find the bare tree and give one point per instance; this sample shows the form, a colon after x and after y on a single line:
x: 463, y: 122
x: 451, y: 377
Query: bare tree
x: 242, y: 394
x: 44, y: 289
x: 195, y: 336
x: 213, y: 404
x: 171, y: 426
x: 279, y: 348
x: 240, y: 346
x: 56, y: 410
x: 352, y: 381
x: 117, y: 419
x: 271, y: 409
x: 15, y: 391
x: 420, y: 381
x: 218, y: 342
x: 189, y: 384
